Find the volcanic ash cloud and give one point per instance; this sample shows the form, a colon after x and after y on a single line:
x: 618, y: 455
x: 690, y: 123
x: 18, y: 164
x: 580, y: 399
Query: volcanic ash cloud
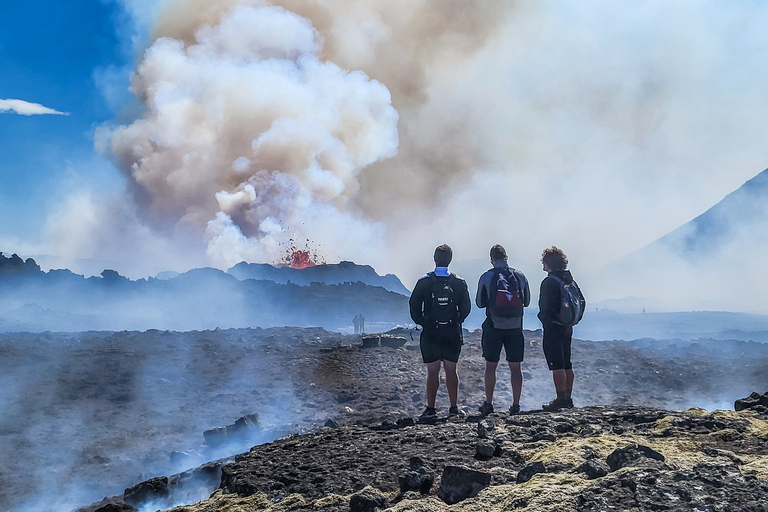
x: 249, y: 138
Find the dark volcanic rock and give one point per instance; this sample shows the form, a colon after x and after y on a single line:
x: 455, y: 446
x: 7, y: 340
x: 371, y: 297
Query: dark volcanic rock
x: 116, y: 507
x: 149, y: 490
x: 528, y: 471
x: 594, y: 468
x: 459, y: 483
x: 754, y: 401
x: 243, y: 428
x: 418, y: 477
x: 632, y: 455
x: 367, y: 500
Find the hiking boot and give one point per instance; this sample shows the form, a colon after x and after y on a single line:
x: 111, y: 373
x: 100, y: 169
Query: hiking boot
x: 514, y: 409
x: 485, y: 408
x: 455, y: 412
x: 569, y: 403
x: 555, y: 405
x: 430, y: 413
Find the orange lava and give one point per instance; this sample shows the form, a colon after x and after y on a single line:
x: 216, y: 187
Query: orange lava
x: 300, y: 259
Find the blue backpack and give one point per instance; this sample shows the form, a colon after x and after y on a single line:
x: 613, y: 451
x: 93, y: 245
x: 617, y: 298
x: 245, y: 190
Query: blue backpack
x: 572, y: 302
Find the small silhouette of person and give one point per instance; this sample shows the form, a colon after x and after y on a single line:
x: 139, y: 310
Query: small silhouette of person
x: 361, y: 323
x: 356, y: 324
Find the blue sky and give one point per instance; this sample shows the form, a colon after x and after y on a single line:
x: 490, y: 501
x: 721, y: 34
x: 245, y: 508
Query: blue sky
x: 55, y: 54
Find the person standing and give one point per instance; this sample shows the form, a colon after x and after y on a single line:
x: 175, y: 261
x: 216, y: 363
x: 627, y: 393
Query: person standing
x: 440, y: 303
x: 356, y: 324
x: 361, y: 323
x: 503, y: 291
x: 557, y: 336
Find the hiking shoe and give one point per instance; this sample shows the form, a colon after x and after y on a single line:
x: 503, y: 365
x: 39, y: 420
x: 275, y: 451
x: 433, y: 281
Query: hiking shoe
x: 555, y: 405
x: 455, y: 412
x: 485, y: 408
x: 514, y: 409
x: 569, y: 403
x: 430, y: 413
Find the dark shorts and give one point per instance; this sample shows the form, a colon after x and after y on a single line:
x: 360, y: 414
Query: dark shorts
x: 557, y: 346
x: 441, y: 344
x: 511, y: 339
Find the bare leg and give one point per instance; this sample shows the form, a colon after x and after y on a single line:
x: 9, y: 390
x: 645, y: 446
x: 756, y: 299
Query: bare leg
x: 516, y: 377
x: 490, y: 380
x: 558, y: 376
x: 433, y: 382
x: 452, y: 382
x: 568, y: 383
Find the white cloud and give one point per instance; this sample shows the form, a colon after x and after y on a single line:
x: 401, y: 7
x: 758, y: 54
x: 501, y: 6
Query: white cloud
x: 26, y: 108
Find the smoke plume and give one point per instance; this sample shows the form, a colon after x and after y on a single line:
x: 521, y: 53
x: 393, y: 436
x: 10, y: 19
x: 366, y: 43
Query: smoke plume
x: 377, y: 130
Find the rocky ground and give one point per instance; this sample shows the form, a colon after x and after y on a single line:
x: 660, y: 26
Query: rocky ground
x: 99, y: 412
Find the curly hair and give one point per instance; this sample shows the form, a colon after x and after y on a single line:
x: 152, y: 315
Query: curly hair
x: 554, y: 258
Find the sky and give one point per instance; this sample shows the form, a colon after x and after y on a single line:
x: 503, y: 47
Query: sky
x: 147, y: 135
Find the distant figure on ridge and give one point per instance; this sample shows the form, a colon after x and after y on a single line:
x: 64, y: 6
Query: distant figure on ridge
x: 356, y: 324
x: 440, y: 303
x: 361, y: 323
x: 561, y: 306
x: 503, y: 291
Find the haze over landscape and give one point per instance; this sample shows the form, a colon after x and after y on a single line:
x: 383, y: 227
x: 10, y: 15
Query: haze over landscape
x: 198, y: 195
x: 378, y: 131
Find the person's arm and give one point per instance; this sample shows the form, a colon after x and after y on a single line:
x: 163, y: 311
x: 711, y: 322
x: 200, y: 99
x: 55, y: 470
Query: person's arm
x: 549, y: 301
x: 481, y: 299
x: 526, y: 291
x: 465, y: 304
x: 416, y: 303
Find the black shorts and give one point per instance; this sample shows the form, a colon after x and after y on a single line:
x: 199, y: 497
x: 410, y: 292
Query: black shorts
x: 511, y: 339
x: 557, y: 346
x: 442, y: 343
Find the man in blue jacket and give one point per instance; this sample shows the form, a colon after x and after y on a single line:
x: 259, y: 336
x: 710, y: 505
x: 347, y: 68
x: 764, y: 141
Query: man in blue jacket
x: 503, y: 291
x: 440, y: 304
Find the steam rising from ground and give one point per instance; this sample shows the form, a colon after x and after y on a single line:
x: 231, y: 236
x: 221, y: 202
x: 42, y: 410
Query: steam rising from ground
x: 381, y: 129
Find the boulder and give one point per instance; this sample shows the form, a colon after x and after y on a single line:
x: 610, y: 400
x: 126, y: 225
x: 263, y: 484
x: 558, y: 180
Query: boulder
x: 594, y: 468
x: 752, y: 401
x: 485, y: 450
x: 418, y: 477
x: 116, y: 507
x: 528, y: 471
x: 459, y: 483
x: 390, y: 340
x: 149, y: 490
x: 242, y: 428
x: 631, y: 455
x: 367, y: 500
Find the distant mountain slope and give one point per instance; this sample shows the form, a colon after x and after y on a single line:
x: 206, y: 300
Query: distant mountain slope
x: 343, y: 272
x: 714, y: 262
x: 59, y: 300
x: 740, y: 214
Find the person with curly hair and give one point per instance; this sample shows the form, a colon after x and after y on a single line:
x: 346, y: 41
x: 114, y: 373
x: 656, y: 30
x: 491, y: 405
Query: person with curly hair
x: 557, y: 337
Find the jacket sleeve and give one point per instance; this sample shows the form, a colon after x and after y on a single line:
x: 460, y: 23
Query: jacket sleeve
x: 416, y: 303
x: 465, y: 304
x: 549, y: 301
x: 481, y: 299
x: 526, y: 291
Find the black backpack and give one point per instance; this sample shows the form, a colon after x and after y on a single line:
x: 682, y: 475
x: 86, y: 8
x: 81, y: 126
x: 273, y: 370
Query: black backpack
x: 572, y: 302
x: 505, y: 298
x: 442, y: 307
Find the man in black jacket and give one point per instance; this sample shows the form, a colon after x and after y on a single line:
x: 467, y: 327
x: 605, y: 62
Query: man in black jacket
x: 440, y: 304
x: 557, y: 337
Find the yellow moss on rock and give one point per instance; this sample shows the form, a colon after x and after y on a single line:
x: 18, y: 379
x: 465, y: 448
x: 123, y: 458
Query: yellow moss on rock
x: 221, y: 502
x: 331, y: 499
